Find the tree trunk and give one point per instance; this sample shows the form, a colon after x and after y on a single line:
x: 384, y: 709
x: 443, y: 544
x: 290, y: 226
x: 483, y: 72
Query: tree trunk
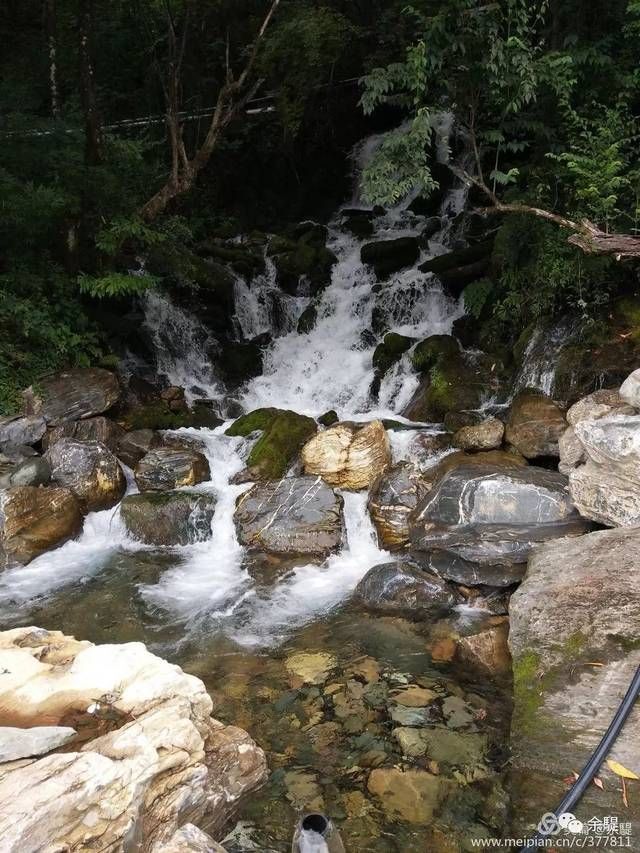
x: 52, y: 49
x: 92, y: 122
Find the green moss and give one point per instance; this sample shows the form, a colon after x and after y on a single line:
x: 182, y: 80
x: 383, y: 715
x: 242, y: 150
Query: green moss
x: 433, y: 350
x: 627, y: 313
x: 274, y: 452
x: 260, y: 419
x: 526, y: 690
x: 158, y: 416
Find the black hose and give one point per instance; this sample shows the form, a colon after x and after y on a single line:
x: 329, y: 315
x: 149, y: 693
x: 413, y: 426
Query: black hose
x: 574, y: 795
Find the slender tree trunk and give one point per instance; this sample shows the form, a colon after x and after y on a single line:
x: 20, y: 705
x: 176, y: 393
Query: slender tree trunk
x: 92, y: 121
x: 50, y: 19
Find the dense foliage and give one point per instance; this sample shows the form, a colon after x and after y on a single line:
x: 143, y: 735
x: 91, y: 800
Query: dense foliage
x: 546, y: 92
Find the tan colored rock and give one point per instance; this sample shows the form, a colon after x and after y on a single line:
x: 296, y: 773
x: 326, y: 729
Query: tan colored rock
x: 571, y: 451
x: 488, y: 650
x: 310, y: 667
x: 34, y: 520
x: 486, y: 435
x: 394, y: 495
x: 162, y: 761
x: 90, y: 471
x: 348, y: 455
x: 535, y: 424
x: 411, y: 795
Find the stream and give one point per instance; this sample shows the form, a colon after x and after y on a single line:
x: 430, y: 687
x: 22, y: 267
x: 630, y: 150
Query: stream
x: 248, y: 625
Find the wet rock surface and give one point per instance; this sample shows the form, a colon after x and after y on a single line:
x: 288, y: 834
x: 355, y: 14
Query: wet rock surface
x: 535, y: 425
x: 574, y: 630
x: 349, y: 456
x: 165, y: 468
x: 22, y: 429
x: 488, y: 515
x: 487, y: 435
x: 132, y: 446
x: 406, y: 589
x: 89, y: 470
x: 74, y: 395
x: 394, y: 495
x: 148, y: 753
x: 100, y: 429
x: 295, y: 515
x: 169, y: 518
x: 34, y: 520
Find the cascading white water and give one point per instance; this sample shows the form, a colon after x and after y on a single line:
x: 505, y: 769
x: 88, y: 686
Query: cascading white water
x: 541, y: 357
x: 330, y: 367
x: 182, y: 346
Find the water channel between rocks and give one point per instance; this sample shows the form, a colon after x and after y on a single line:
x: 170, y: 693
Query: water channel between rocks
x: 339, y: 699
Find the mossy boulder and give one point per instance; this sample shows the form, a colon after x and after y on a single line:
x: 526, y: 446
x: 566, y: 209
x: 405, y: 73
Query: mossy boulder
x: 390, y: 351
x: 284, y: 434
x: 303, y: 256
x: 432, y: 350
x: 157, y: 415
x: 247, y: 259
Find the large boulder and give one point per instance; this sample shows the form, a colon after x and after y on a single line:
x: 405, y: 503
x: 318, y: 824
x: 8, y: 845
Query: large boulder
x: 453, y: 568
x: 490, y: 516
x: 296, y: 515
x: 169, y: 518
x: 132, y: 446
x: 100, y: 429
x: 283, y: 435
x: 22, y: 429
x: 535, y: 425
x: 35, y: 471
x: 391, y: 350
x: 348, y: 455
x: 630, y: 390
x: 34, y: 520
x: 89, y: 470
x: 73, y: 395
x: 167, y: 468
x: 148, y: 758
x: 575, y: 623
x: 486, y: 435
x: 598, y: 405
x: 389, y: 256
x: 607, y: 488
x: 394, y: 495
x: 404, y: 589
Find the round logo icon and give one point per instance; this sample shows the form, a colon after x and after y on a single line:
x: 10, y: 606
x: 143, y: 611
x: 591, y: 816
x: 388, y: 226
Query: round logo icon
x: 571, y: 823
x: 548, y: 825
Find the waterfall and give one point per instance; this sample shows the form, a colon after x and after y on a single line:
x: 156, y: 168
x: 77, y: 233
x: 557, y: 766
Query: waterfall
x: 183, y: 348
x: 208, y: 586
x: 538, y: 369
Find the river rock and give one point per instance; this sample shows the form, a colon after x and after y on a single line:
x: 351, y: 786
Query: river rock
x: 571, y: 451
x: 169, y: 518
x: 37, y: 740
x: 464, y: 749
x: 389, y: 256
x: 492, y: 516
x: 157, y: 758
x: 487, y: 650
x: 607, y: 488
x: 348, y: 455
x: 132, y: 446
x: 73, y: 395
x: 295, y: 515
x: 34, y: 520
x: 190, y: 839
x: 403, y: 588
x: 90, y: 471
x: 411, y: 795
x: 579, y: 605
x: 453, y: 568
x: 486, y: 435
x: 100, y: 429
x: 22, y: 429
x: 283, y: 434
x: 165, y: 468
x: 598, y: 405
x: 535, y: 424
x: 630, y: 389
x: 31, y: 472
x: 392, y: 498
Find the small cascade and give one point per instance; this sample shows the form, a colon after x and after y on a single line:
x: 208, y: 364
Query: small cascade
x: 183, y: 348
x: 540, y: 359
x: 262, y: 308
